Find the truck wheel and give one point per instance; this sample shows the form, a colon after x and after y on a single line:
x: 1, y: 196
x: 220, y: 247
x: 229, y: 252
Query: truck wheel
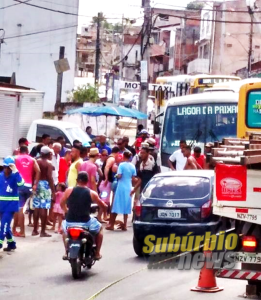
x: 76, y: 268
x: 137, y: 246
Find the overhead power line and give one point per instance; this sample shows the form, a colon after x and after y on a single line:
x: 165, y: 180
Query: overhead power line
x: 41, y: 31
x: 63, y: 12
x: 213, y: 21
x: 207, y: 9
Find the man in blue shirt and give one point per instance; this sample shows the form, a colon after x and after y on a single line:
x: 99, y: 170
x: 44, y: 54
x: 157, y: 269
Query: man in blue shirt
x: 10, y: 180
x: 102, y: 145
x: 89, y: 132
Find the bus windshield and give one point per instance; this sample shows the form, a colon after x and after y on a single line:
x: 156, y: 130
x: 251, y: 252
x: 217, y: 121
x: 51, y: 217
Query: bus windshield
x: 199, y: 123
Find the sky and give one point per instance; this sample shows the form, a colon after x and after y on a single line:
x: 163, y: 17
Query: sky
x: 118, y: 8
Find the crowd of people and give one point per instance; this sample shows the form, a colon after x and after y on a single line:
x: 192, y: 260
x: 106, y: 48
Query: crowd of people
x: 184, y: 159
x: 56, y: 185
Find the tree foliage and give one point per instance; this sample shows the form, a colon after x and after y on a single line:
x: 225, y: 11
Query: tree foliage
x: 117, y: 27
x: 195, y: 5
x: 84, y: 93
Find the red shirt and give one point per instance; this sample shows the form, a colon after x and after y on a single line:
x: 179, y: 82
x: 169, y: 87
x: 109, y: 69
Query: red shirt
x: 63, y: 168
x: 200, y: 160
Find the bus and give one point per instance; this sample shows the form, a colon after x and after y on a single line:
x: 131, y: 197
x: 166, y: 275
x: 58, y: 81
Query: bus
x: 198, y: 83
x: 232, y: 86
x: 209, y: 117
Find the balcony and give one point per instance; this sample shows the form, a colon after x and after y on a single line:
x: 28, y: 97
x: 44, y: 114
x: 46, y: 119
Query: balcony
x: 198, y: 66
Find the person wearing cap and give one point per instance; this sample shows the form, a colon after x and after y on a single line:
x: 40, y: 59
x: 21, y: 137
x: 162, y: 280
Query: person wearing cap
x: 102, y: 144
x: 154, y: 152
x: 10, y: 181
x: 141, y: 139
x: 91, y: 168
x: 21, y: 142
x: 30, y: 171
x: 45, y: 192
x: 146, y: 168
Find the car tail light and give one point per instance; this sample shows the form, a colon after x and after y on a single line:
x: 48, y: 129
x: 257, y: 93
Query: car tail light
x: 206, y: 209
x: 137, y: 209
x: 75, y: 232
x: 249, y: 243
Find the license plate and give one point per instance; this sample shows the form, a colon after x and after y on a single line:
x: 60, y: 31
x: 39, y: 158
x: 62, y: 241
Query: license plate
x: 169, y: 214
x: 249, y: 258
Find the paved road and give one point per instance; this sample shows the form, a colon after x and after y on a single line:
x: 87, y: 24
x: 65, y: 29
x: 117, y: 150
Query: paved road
x: 36, y: 271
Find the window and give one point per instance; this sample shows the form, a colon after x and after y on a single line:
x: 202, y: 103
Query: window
x: 199, y: 123
x: 229, y: 45
x: 257, y: 47
x: 254, y: 109
x: 176, y: 188
x: 206, y: 51
x: 52, y: 131
x: 163, y: 17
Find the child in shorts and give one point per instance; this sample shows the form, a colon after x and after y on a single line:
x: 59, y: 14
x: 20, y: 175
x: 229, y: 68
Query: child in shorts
x: 58, y: 213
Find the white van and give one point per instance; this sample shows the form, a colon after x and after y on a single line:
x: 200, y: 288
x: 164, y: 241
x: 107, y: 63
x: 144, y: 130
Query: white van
x: 55, y: 128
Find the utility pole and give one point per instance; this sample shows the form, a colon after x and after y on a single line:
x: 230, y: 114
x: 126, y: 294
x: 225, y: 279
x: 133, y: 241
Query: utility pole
x: 251, y: 14
x: 98, y: 50
x: 145, y: 59
x: 121, y: 56
x: 59, y: 83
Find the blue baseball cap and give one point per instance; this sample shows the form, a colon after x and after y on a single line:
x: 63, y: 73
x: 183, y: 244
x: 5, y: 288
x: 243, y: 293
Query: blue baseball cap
x: 8, y: 160
x: 87, y: 144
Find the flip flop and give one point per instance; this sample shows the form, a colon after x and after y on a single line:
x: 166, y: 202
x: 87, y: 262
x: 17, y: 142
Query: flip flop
x: 17, y: 234
x: 98, y: 257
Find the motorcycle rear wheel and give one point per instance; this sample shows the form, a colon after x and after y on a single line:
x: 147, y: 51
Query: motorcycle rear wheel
x: 76, y: 268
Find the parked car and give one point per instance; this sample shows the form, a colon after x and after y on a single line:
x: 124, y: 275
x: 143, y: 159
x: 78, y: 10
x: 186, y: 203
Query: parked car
x: 175, y: 202
x: 54, y: 128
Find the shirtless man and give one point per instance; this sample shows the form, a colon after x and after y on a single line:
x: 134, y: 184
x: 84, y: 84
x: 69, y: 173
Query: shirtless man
x: 45, y: 192
x: 191, y: 163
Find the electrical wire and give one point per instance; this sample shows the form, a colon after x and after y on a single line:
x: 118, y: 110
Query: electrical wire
x: 119, y: 62
x: 38, y: 32
x: 4, y: 7
x: 213, y: 21
x: 205, y: 9
x: 63, y: 12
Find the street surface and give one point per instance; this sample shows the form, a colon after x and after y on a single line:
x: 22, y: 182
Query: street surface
x: 36, y: 271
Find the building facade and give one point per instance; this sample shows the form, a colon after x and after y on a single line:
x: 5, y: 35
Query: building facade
x: 32, y: 39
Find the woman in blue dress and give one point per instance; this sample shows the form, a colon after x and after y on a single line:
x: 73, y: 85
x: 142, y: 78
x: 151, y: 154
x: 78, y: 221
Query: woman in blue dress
x: 122, y: 199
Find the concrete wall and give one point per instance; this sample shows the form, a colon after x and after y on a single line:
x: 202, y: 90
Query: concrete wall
x: 32, y: 57
x: 231, y: 43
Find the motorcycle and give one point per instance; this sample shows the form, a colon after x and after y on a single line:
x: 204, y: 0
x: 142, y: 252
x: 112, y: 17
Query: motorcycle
x: 81, y: 249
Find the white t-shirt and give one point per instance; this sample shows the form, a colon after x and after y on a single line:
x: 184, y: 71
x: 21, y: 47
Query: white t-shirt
x: 56, y: 163
x: 180, y: 160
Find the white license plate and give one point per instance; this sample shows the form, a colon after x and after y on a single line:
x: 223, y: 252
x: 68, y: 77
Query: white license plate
x: 169, y: 214
x: 249, y: 258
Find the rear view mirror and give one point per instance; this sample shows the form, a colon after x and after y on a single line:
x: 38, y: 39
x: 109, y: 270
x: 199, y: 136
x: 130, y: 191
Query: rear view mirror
x: 156, y: 127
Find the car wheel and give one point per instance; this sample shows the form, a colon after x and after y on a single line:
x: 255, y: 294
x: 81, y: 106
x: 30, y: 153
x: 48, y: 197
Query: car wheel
x: 137, y: 246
